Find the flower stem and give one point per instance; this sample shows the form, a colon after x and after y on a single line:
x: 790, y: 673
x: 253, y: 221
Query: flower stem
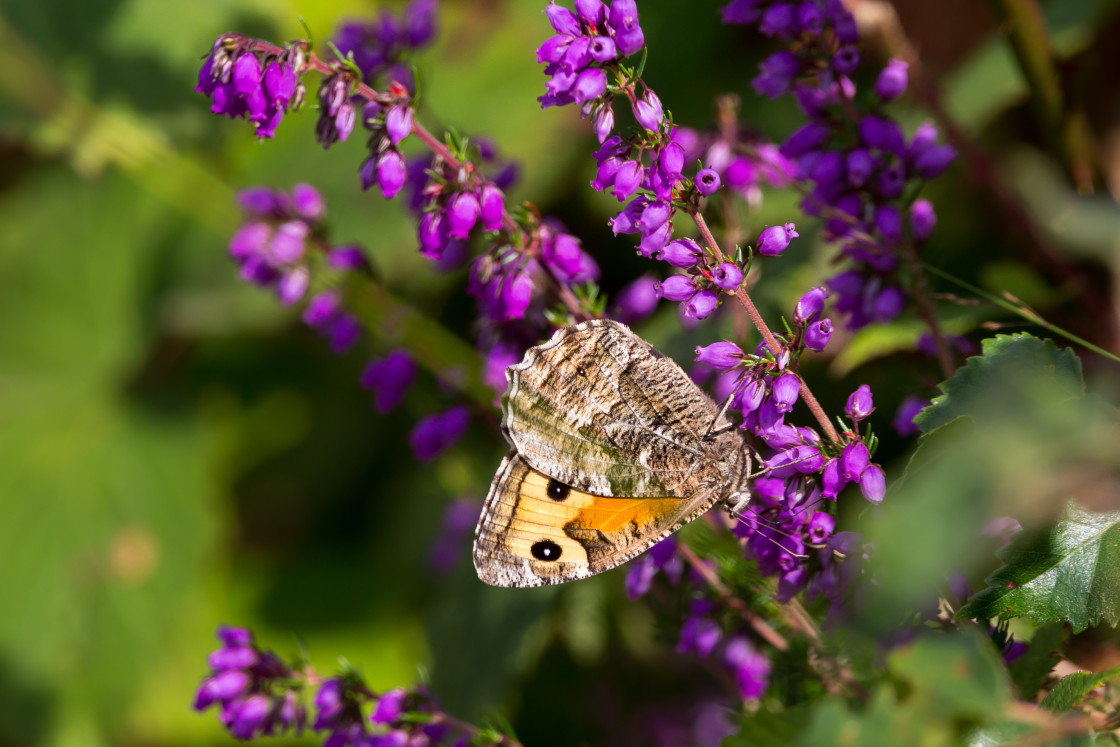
x: 745, y: 301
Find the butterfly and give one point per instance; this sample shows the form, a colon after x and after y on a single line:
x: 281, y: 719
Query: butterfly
x: 613, y: 448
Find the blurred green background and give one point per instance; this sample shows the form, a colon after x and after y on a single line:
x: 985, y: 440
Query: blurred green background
x: 177, y: 451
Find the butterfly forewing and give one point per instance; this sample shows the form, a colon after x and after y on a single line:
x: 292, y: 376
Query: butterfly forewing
x: 603, y: 411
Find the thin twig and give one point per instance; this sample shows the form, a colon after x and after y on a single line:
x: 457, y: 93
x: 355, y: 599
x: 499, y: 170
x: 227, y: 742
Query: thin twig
x: 744, y: 299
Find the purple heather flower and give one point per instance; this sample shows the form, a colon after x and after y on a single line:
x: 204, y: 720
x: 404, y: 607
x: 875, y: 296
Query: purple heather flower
x: 344, y: 331
x: 435, y: 433
x: 903, y: 422
x: 934, y: 161
x: 882, y: 133
x: 628, y: 33
x: 727, y: 276
x: 516, y: 294
x: 391, y: 173
x: 591, y: 11
x: 741, y: 12
x: 627, y: 180
x: 699, y: 635
x: 390, y: 706
x: 635, y: 301
x: 389, y: 378
x: 774, y: 240
x: 249, y: 240
x: 832, y: 479
x: 810, y: 18
x: 707, y: 181
x: 293, y: 285
x: 432, y: 235
x: 859, y: 164
x: 751, y: 668
x: 780, y: 20
x: 846, y: 59
x: 604, y: 122
x: 322, y: 310
x: 347, y: 258
x: 888, y: 304
x: 854, y: 460
x: 750, y: 396
x: 562, y: 19
x: 892, y: 180
x: 308, y: 202
x: 671, y: 159
x: 810, y: 305
x: 287, y: 243
x: 873, y: 483
x: 498, y: 359
x: 639, y: 577
x: 892, y: 81
x: 562, y: 253
x: 682, y: 253
x: 398, y: 123
x: 859, y: 404
x: 827, y: 167
x: 491, y: 207
x: 922, y: 219
x: 653, y: 241
x: 261, y: 201
x: 777, y: 73
x: 701, y: 305
x: 805, y: 139
x: 820, y: 527
x: 721, y: 355
x: 654, y: 216
x: 250, y: 716
x: 785, y: 391
x: 553, y: 49
x: 818, y: 334
x: 675, y: 288
x: 648, y: 112
x: 462, y: 214
x: 888, y: 221
x: 590, y: 84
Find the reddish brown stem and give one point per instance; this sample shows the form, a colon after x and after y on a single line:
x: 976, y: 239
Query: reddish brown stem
x: 760, y: 626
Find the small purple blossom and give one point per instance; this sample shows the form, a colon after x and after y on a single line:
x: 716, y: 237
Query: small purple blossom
x: 859, y: 404
x: 389, y: 378
x: 434, y: 434
x: 892, y: 81
x: 818, y: 334
x: 707, y: 181
x: 721, y: 355
x: 810, y: 305
x: 774, y: 240
x: 727, y: 276
x: 700, y: 306
x: 751, y: 668
x: 903, y: 422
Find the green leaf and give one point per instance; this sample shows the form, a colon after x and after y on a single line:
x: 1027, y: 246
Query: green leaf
x: 1069, y: 573
x: 1030, y: 669
x: 1072, y: 688
x: 1013, y: 372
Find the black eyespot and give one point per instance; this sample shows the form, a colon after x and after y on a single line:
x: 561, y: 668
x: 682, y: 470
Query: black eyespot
x: 546, y: 550
x: 557, y: 490
x: 581, y: 372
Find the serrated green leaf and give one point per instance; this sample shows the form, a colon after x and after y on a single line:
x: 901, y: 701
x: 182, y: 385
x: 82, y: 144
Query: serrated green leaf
x: 1070, y: 573
x: 1072, y: 688
x: 1013, y: 372
x: 1030, y: 669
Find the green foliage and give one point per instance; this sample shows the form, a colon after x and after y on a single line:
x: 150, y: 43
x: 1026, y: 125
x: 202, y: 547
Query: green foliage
x: 941, y: 687
x: 1029, y: 671
x: 1012, y: 371
x: 1070, y: 573
x: 1072, y: 688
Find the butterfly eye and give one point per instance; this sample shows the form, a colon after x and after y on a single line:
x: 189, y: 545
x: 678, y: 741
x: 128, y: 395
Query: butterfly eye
x: 546, y: 550
x: 557, y: 490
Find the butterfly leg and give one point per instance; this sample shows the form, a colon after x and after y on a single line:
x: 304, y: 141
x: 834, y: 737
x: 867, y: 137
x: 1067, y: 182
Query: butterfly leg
x: 713, y: 430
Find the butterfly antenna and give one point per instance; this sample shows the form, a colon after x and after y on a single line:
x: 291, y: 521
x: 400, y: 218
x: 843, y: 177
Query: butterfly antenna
x: 771, y: 539
x: 712, y: 429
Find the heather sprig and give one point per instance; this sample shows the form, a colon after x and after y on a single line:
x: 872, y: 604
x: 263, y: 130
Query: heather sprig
x: 259, y: 694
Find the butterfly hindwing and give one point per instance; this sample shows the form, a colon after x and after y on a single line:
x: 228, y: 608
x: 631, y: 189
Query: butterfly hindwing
x: 535, y: 530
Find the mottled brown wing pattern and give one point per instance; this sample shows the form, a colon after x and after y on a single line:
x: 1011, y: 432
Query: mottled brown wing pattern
x: 536, y: 531
x: 600, y: 409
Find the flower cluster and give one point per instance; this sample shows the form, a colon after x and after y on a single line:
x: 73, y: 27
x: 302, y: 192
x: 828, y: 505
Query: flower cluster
x: 380, y: 48
x: 588, y: 45
x: 859, y: 170
x: 260, y: 695
x: 243, y: 83
x: 257, y: 693
x: 703, y: 636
